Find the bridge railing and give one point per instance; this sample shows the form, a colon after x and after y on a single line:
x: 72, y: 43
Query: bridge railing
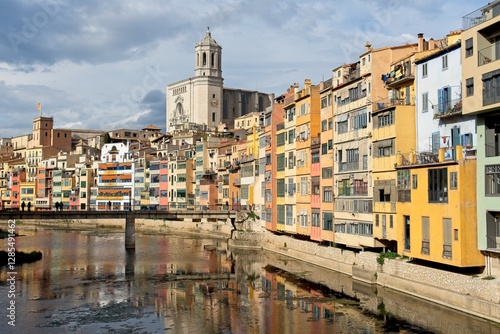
x: 151, y: 207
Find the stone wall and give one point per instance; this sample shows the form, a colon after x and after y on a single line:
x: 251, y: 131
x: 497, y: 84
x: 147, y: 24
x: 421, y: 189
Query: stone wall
x: 474, y: 295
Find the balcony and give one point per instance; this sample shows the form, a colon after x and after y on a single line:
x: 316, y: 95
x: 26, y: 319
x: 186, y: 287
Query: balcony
x: 448, y: 109
x: 488, y: 54
x: 481, y: 15
x: 444, y: 154
x: 399, y: 80
x: 345, y: 166
x: 246, y: 158
x: 392, y: 102
x: 237, y: 182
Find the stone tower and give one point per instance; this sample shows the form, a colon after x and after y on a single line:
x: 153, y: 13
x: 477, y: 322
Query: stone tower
x: 198, y: 100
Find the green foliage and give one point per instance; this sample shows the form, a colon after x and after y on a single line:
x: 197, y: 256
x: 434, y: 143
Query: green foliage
x: 284, y: 245
x: 489, y: 278
x: 107, y: 138
x: 387, y: 255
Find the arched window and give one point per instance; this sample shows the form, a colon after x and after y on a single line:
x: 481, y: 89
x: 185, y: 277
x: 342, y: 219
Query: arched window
x: 212, y: 60
x: 198, y: 59
x: 204, y: 59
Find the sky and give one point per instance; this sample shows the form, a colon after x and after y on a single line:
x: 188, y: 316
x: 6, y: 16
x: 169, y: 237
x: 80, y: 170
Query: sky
x: 105, y: 64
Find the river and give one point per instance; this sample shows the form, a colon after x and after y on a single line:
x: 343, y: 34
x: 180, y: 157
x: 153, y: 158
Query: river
x: 88, y: 283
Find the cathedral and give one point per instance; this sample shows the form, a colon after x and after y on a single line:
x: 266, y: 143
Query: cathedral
x: 202, y: 102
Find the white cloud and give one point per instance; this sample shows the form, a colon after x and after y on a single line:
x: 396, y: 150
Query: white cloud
x: 87, y: 64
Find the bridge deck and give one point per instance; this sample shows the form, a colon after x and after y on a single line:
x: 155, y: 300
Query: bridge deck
x: 168, y: 215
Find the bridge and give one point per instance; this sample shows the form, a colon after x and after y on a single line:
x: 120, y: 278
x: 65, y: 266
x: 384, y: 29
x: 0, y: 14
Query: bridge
x: 129, y: 217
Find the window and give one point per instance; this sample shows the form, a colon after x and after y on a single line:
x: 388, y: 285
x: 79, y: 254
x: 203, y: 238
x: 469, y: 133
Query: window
x: 425, y: 102
x: 469, y: 48
x: 447, y: 247
x: 377, y: 220
x: 327, y: 221
x: 327, y: 194
x: 280, y: 162
x: 445, y: 62
x: 453, y: 181
x: 437, y: 185
x: 385, y: 119
x: 492, y: 180
x: 426, y: 234
x: 469, y: 86
x: 414, y: 181
x: 315, y: 219
x: 342, y: 127
x: 404, y: 191
x: 327, y: 172
x: 324, y: 149
x: 391, y: 221
x: 384, y: 148
x: 491, y: 87
x: 424, y: 70
x: 280, y: 188
x: 324, y: 125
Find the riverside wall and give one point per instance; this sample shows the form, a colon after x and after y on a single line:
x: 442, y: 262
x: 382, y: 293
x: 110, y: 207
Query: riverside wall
x: 470, y: 294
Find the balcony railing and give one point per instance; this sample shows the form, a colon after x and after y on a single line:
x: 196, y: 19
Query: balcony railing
x: 448, y: 109
x: 447, y: 251
x: 391, y: 102
x: 426, y: 247
x: 481, y: 15
x: 352, y: 165
x: 488, y: 54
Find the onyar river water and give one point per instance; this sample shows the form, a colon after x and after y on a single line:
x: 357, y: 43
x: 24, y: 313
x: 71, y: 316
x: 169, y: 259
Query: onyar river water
x: 88, y: 283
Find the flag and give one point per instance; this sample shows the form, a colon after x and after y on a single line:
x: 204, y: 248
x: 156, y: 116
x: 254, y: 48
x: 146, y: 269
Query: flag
x: 38, y: 106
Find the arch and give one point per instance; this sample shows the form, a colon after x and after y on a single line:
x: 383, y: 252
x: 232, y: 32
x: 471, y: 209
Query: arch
x: 204, y: 59
x: 197, y: 59
x: 212, y: 60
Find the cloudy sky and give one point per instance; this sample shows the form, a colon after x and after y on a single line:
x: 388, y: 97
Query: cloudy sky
x: 105, y: 64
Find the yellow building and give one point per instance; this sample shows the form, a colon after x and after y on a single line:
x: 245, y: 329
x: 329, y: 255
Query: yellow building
x: 394, y: 125
x: 355, y: 87
x: 322, y: 222
x: 28, y: 194
x: 437, y: 209
x: 307, y: 128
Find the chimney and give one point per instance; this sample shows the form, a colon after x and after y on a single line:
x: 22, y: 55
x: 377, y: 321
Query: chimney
x: 307, y: 83
x: 368, y: 46
x: 421, y: 42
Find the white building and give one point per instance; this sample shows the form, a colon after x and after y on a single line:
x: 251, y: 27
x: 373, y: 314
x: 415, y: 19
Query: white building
x: 440, y: 122
x: 201, y: 102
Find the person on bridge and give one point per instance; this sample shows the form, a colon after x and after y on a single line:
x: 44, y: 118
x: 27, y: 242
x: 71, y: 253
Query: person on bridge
x: 23, y: 205
x: 29, y: 206
x: 109, y: 205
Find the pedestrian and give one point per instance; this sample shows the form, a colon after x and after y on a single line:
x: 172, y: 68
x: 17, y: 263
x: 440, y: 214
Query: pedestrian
x: 109, y: 205
x: 23, y: 205
x: 61, y: 206
x: 227, y: 205
x: 29, y: 206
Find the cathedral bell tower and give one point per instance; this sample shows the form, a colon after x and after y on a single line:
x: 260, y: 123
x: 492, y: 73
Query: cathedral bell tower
x: 208, y: 57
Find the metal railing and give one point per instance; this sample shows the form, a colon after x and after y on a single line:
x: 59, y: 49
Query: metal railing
x: 481, y: 15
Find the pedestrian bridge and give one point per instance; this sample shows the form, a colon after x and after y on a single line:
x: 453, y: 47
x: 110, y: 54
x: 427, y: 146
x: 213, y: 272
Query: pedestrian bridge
x: 128, y: 216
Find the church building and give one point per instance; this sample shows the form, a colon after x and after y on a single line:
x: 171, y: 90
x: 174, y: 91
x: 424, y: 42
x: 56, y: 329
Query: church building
x: 202, y: 102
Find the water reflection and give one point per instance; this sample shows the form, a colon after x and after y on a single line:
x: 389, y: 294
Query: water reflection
x: 87, y: 282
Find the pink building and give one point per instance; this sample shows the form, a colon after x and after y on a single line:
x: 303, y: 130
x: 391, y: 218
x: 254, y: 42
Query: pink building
x: 163, y: 188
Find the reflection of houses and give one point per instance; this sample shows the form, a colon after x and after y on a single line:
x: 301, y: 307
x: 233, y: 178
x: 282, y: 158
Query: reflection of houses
x: 481, y: 97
